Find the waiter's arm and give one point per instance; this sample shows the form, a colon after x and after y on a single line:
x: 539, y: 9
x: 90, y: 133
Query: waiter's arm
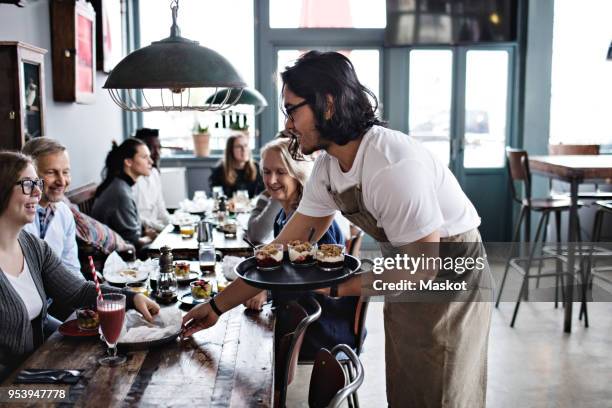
x: 353, y: 286
x: 298, y: 227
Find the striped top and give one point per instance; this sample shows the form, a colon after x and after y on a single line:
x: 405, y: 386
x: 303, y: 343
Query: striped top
x: 53, y: 280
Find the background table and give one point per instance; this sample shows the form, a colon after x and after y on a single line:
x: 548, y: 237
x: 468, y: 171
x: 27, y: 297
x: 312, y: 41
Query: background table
x: 574, y: 170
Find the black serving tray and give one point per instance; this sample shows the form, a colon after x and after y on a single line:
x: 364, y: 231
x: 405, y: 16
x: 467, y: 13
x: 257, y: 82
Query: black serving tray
x: 290, y: 277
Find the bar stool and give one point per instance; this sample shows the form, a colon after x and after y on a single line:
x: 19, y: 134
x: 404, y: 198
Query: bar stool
x: 518, y: 170
x: 604, y: 207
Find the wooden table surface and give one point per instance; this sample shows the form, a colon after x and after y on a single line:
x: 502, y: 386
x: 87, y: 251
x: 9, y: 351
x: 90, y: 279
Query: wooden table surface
x: 188, y: 248
x: 580, y: 168
x: 228, y: 365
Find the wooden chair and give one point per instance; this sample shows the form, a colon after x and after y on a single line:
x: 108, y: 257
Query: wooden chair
x: 518, y: 171
x: 289, y: 334
x: 83, y: 197
x: 329, y: 386
x: 353, y: 244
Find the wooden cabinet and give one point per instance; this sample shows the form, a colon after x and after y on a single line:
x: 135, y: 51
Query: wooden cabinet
x: 22, y: 93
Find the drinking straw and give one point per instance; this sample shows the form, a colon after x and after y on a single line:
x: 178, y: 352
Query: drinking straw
x: 95, y: 277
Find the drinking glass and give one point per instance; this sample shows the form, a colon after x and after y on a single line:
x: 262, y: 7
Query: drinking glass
x: 207, y: 257
x: 111, y: 311
x: 187, y: 231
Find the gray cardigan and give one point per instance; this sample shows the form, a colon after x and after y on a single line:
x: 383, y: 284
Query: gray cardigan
x: 53, y: 280
x: 116, y: 207
x: 261, y: 221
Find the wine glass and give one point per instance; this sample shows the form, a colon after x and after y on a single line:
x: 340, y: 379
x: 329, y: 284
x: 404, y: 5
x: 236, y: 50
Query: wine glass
x: 111, y: 310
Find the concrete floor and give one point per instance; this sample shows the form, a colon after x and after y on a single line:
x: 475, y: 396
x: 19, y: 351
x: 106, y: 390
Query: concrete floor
x: 534, y: 364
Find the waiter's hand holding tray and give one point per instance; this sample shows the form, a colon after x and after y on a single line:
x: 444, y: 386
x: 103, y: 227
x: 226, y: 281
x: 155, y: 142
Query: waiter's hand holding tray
x: 297, y: 266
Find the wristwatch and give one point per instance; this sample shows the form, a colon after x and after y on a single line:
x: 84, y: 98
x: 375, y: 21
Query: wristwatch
x: 214, y: 307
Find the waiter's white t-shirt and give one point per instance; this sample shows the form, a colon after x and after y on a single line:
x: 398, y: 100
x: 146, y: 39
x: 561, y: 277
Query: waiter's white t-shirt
x: 405, y: 187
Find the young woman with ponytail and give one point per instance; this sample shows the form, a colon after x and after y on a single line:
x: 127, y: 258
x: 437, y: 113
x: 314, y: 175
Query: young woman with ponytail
x: 115, y: 205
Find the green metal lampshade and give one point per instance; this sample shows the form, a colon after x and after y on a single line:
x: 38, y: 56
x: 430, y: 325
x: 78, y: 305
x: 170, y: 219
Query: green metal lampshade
x: 176, y: 67
x: 249, y: 96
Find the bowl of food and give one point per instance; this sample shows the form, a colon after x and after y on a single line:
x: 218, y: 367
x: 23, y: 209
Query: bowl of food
x: 182, y: 269
x: 87, y: 319
x: 302, y: 253
x: 201, y: 289
x: 330, y: 257
x: 269, y: 256
x: 229, y: 228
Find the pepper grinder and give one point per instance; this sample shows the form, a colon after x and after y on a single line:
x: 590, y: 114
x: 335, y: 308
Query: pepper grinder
x: 166, y: 283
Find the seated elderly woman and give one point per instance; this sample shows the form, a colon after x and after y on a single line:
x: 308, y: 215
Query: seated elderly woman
x: 284, y: 179
x: 115, y: 204
x: 237, y: 170
x: 30, y: 271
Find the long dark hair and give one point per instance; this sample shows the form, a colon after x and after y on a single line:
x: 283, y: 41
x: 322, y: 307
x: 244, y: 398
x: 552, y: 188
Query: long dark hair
x: 115, y: 161
x: 314, y: 76
x: 13, y: 163
x: 229, y: 172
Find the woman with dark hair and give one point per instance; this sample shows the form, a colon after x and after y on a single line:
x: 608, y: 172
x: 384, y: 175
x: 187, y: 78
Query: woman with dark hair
x: 115, y: 205
x: 399, y: 193
x: 30, y: 271
x: 237, y: 170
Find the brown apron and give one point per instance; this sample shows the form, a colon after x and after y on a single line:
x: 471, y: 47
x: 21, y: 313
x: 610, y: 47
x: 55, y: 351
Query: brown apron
x: 435, y: 353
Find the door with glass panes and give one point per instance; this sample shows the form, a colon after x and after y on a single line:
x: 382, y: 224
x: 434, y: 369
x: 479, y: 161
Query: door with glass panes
x: 459, y: 107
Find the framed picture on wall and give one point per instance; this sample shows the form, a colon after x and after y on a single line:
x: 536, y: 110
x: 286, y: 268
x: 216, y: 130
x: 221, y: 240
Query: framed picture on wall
x: 73, y: 30
x: 85, y: 54
x: 109, y: 33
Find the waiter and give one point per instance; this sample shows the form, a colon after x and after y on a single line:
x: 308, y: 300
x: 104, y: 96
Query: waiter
x: 400, y: 194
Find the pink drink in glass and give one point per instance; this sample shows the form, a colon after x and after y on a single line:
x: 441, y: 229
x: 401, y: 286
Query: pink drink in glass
x: 111, y: 321
x: 111, y: 310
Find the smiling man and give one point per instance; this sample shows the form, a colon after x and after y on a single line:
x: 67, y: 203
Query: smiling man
x: 54, y: 222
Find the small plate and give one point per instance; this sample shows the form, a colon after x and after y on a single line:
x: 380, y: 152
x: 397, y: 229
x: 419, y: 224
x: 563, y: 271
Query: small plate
x: 71, y: 329
x: 189, y: 300
x: 193, y: 275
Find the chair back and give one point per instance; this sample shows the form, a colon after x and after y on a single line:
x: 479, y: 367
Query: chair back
x: 360, y: 318
x: 289, y: 334
x: 518, y: 170
x: 353, y: 244
x: 569, y: 149
x: 83, y: 197
x: 329, y: 386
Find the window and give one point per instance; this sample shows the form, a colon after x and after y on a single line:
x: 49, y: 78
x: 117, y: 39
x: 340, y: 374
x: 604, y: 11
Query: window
x: 429, y: 100
x: 581, y: 85
x: 486, y: 107
x: 224, y: 26
x: 328, y: 14
x: 366, y: 64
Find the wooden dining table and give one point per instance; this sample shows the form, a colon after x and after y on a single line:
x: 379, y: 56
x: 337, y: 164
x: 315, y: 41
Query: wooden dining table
x: 187, y: 248
x: 228, y: 365
x: 574, y: 170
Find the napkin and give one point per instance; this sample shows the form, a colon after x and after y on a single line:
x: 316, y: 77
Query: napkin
x: 47, y: 376
x: 137, y: 330
x: 114, y: 266
x: 229, y: 263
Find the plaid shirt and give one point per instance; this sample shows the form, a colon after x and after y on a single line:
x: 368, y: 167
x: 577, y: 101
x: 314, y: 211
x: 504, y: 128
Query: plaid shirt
x: 45, y: 215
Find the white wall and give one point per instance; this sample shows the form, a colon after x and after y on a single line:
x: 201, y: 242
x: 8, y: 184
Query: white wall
x: 86, y: 130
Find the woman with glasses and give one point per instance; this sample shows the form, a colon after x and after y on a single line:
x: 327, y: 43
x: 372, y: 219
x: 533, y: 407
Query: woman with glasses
x: 115, y: 204
x: 30, y: 271
x: 237, y: 170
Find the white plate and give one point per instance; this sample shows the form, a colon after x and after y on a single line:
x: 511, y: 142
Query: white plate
x: 122, y: 277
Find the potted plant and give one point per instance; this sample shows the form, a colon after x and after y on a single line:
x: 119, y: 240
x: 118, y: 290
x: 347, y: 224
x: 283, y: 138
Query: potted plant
x: 201, y: 140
